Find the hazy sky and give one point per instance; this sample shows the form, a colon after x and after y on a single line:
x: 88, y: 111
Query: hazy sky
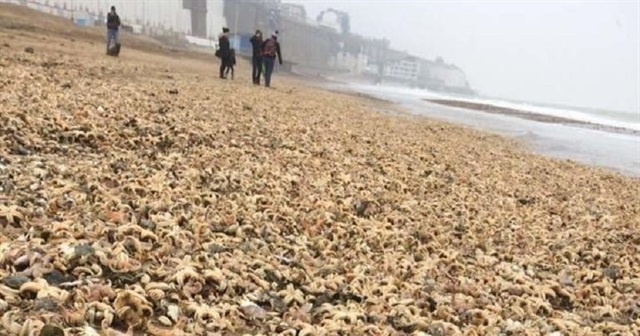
x: 580, y: 53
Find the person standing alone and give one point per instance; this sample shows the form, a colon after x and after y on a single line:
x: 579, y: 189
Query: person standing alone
x: 256, y: 60
x: 270, y: 49
x: 113, y: 24
x: 224, y: 51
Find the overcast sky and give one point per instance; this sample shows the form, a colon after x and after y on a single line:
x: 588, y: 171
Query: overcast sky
x: 580, y: 53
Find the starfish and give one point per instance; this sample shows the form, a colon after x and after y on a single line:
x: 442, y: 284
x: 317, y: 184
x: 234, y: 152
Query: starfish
x: 10, y: 215
x: 291, y: 294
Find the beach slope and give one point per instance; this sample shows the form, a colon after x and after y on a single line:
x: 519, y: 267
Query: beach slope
x: 141, y: 194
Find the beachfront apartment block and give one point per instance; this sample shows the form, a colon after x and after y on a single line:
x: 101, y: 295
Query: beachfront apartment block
x: 406, y: 69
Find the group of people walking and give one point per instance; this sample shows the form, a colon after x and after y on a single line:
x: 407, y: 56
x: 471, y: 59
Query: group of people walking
x: 265, y: 51
x: 263, y: 59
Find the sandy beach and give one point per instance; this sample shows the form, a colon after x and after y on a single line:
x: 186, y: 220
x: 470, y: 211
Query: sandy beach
x: 141, y: 195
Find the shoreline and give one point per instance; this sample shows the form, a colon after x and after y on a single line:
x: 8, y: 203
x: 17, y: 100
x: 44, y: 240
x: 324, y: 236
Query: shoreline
x: 488, y: 108
x: 529, y: 141
x: 380, y: 105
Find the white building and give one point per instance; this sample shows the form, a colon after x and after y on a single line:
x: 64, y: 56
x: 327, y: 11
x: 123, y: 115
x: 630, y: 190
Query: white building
x: 161, y: 15
x: 441, y: 74
x: 355, y: 64
x: 404, y: 69
x: 449, y: 76
x: 293, y: 11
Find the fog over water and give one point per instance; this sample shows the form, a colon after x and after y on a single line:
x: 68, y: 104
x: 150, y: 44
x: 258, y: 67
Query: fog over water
x: 576, y: 53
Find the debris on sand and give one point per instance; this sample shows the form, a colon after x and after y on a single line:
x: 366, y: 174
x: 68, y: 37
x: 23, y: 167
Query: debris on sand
x: 127, y: 208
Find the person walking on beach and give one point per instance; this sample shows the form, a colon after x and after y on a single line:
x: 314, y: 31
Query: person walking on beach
x: 113, y: 24
x: 224, y: 51
x: 256, y: 60
x: 270, y: 49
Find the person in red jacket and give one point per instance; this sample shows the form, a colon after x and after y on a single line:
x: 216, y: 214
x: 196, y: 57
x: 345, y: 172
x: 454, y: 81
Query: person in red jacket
x: 270, y: 49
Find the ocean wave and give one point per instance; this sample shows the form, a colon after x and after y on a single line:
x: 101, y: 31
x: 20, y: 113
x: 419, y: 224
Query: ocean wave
x: 619, y: 119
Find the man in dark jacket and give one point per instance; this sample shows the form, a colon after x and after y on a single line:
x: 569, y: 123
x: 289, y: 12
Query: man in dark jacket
x: 256, y: 60
x: 270, y: 49
x: 224, y: 51
x: 113, y: 24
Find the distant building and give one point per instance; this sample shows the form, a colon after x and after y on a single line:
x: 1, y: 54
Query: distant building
x: 353, y: 63
x: 439, y: 75
x: 449, y: 75
x: 336, y: 20
x: 201, y: 18
x: 406, y: 69
x: 198, y: 17
x: 293, y: 11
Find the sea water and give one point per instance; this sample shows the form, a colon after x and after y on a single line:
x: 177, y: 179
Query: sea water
x: 615, y: 151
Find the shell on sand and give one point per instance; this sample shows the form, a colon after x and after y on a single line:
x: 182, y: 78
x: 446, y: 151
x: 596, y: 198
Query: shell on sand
x: 232, y: 209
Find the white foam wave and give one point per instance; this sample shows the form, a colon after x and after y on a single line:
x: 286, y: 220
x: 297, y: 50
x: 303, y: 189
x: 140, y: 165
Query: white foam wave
x: 608, y: 118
